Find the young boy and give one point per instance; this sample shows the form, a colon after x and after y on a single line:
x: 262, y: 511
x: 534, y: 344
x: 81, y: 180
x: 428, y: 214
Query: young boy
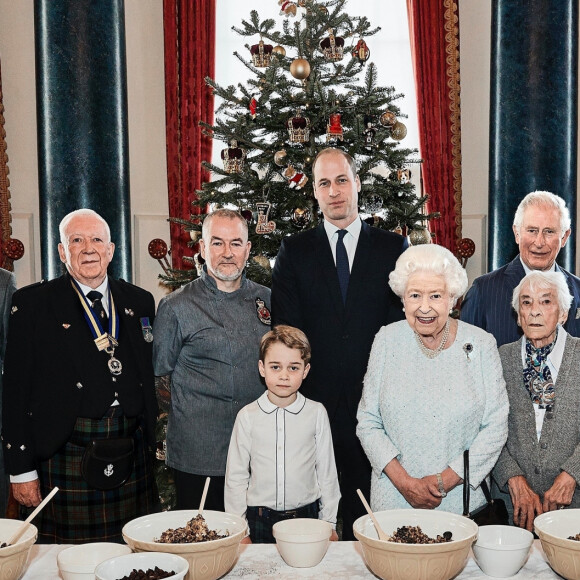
x: 280, y: 460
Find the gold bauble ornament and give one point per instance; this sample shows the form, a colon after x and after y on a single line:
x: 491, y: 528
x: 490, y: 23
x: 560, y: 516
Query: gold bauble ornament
x: 263, y: 261
x: 300, y: 68
x: 388, y: 119
x: 420, y: 236
x: 280, y: 157
x: 279, y: 50
x: 399, y: 131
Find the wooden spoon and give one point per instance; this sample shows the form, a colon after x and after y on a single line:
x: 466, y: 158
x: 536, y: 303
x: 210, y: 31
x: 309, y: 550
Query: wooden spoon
x: 204, y: 495
x: 25, y: 524
x: 382, y: 535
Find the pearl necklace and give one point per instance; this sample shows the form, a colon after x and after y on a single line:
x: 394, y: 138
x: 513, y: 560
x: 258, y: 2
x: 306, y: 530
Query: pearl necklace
x: 432, y: 353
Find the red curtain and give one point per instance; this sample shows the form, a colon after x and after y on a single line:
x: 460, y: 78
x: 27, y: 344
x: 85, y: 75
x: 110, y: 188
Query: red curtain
x: 189, y: 31
x: 434, y: 32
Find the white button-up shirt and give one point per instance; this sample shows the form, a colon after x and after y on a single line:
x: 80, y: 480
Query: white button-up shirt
x: 282, y: 459
x: 350, y: 240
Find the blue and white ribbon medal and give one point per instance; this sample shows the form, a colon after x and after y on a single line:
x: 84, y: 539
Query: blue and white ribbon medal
x: 106, y: 341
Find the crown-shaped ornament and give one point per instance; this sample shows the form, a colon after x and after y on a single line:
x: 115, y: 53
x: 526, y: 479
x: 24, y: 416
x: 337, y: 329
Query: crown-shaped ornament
x: 261, y: 54
x: 298, y: 128
x: 332, y: 47
x: 361, y: 51
x: 233, y: 157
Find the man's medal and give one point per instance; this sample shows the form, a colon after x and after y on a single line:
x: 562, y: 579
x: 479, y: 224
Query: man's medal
x: 106, y: 341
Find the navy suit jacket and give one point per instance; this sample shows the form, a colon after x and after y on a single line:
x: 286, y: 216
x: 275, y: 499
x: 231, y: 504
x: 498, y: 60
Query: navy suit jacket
x: 306, y: 294
x: 488, y: 302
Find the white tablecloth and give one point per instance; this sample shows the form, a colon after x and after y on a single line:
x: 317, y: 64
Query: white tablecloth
x: 343, y: 560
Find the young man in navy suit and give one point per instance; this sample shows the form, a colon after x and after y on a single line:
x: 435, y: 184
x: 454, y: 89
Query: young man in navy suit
x: 541, y: 227
x: 332, y: 283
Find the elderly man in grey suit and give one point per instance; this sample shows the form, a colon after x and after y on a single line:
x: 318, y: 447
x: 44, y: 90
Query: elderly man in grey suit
x: 7, y: 288
x: 539, y: 466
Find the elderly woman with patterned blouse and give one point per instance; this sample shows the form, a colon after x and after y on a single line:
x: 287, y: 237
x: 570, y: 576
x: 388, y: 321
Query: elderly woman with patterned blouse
x: 540, y: 463
x: 433, y: 389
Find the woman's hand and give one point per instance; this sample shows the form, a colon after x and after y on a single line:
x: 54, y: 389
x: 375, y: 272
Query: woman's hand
x: 561, y: 492
x: 417, y: 492
x: 527, y: 504
x: 246, y: 540
x: 334, y: 536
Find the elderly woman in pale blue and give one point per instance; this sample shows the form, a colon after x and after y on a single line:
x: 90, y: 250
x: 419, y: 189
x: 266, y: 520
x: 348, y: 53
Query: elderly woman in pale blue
x: 433, y: 388
x: 539, y: 467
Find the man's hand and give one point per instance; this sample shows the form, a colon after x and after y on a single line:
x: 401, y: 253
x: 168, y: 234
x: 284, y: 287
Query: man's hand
x: 246, y: 540
x: 28, y: 494
x: 527, y: 504
x: 334, y: 536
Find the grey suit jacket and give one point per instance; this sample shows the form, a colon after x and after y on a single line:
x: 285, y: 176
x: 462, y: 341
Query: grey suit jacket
x: 559, y: 446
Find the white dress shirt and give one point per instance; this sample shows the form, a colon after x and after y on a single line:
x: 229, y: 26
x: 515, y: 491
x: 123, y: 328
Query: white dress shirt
x: 282, y: 459
x: 350, y: 239
x: 554, y: 361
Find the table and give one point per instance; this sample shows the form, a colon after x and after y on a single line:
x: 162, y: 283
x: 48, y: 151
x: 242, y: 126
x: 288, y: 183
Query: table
x: 343, y: 560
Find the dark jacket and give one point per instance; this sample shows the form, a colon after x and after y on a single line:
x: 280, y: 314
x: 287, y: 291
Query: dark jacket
x: 488, y: 302
x: 306, y: 294
x: 53, y: 370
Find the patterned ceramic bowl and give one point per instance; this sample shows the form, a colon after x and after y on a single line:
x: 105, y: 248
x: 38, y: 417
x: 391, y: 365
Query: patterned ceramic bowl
x: 207, y: 560
x: 553, y: 529
x: 394, y: 561
x: 14, y: 559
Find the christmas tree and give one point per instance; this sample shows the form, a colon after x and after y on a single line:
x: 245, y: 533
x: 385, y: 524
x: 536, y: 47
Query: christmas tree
x: 312, y: 86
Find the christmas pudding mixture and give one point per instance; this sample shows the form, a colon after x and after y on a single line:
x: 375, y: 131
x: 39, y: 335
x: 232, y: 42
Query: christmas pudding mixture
x: 195, y: 530
x: 415, y: 535
x: 576, y: 537
x: 151, y: 574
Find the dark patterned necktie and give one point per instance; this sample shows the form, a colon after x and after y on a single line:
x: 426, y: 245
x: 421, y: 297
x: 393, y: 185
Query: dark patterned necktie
x: 98, y: 308
x: 342, y: 266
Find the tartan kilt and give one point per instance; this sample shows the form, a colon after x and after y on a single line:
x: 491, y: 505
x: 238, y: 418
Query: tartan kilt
x: 79, y: 513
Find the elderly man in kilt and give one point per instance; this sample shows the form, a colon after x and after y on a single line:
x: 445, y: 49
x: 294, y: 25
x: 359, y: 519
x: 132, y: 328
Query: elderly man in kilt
x: 79, y: 401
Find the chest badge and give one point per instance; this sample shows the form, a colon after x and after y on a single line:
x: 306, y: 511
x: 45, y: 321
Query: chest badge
x: 147, y: 329
x: 263, y: 312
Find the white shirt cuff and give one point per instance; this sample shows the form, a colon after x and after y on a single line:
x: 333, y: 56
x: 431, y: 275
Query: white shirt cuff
x: 24, y: 477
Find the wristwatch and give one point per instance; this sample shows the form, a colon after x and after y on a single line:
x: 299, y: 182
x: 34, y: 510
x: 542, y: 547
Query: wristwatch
x: 440, y: 485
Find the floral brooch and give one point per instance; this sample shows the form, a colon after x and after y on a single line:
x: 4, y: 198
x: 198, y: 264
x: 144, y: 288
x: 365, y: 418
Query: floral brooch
x: 468, y: 349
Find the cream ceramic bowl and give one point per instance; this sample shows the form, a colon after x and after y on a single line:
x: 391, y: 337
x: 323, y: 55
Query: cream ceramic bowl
x: 393, y: 561
x: 122, y: 566
x: 553, y: 529
x: 500, y: 551
x: 79, y: 562
x: 14, y: 559
x: 302, y: 542
x: 207, y: 560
